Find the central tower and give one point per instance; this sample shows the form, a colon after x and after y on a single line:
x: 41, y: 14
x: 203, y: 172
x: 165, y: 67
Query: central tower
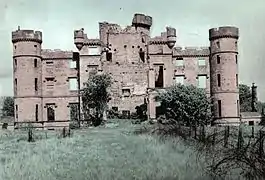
x: 224, y: 74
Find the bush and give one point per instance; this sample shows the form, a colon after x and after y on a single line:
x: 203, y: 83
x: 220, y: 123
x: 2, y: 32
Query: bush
x: 95, y: 97
x: 186, y: 105
x: 8, y: 106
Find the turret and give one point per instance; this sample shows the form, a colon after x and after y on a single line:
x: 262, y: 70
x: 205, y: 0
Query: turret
x: 141, y: 20
x: 27, y: 76
x: 26, y: 35
x: 79, y: 38
x: 171, y: 37
x: 224, y: 74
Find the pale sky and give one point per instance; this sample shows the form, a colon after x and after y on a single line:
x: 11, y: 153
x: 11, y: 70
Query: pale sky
x: 57, y: 19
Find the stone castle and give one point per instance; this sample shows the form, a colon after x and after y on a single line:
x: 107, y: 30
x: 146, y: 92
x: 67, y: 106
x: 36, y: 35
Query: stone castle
x: 47, y: 83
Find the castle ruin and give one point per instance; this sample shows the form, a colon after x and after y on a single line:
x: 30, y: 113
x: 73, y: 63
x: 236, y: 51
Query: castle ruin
x: 47, y: 83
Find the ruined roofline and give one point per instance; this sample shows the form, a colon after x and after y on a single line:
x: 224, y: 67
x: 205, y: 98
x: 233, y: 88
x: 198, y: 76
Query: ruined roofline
x: 202, y: 51
x: 191, y: 48
x: 56, y: 54
x: 55, y: 50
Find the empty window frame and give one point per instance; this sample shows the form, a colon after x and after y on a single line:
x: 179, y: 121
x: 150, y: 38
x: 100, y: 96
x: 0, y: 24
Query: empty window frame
x: 201, y: 62
x: 50, y: 112
x: 49, y: 63
x: 15, y: 84
x: 115, y: 108
x: 109, y: 56
x: 35, y: 63
x: 74, y: 111
x: 202, y: 81
x: 179, y: 62
x: 159, y: 76
x: 73, y: 84
x: 218, y: 80
x: 218, y: 59
x: 238, y: 108
x: 36, y: 84
x: 236, y: 80
x: 218, y: 44
x: 37, y: 112
x: 15, y: 64
x: 180, y: 79
x: 219, y: 104
x: 142, y: 55
x: 72, y: 64
x: 16, y: 111
x: 126, y: 92
x: 50, y: 82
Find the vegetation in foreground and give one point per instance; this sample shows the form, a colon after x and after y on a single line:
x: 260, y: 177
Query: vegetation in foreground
x: 104, y: 153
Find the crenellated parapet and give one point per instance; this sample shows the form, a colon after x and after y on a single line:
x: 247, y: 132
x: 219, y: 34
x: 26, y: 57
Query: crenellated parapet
x: 79, y: 38
x: 191, y: 51
x: 141, y: 20
x: 56, y: 54
x: 171, y: 36
x: 93, y: 42
x: 26, y: 35
x: 166, y: 38
x: 223, y: 32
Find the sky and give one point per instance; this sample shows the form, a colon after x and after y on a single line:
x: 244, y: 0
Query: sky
x: 192, y: 19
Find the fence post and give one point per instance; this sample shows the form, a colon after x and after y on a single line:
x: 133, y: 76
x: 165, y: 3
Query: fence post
x: 252, y: 132
x: 240, y: 138
x: 226, y: 136
x: 261, y: 143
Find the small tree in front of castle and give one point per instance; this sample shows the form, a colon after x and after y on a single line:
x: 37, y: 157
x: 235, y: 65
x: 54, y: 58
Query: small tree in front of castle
x: 185, y: 105
x: 8, y: 106
x: 95, y: 96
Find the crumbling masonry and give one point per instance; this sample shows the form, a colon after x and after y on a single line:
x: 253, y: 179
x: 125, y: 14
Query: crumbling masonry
x: 47, y: 82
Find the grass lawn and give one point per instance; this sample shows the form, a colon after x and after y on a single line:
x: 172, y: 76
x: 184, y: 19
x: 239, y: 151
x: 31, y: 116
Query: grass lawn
x: 104, y: 153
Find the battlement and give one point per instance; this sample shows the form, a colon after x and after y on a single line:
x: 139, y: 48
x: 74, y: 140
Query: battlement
x: 56, y: 54
x: 26, y: 35
x: 224, y: 32
x: 142, y: 20
x: 79, y: 33
x: 191, y: 51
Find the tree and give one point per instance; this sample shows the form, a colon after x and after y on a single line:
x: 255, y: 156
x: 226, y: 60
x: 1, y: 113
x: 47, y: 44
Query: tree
x: 187, y: 105
x: 95, y: 97
x: 8, y: 106
x: 245, y: 98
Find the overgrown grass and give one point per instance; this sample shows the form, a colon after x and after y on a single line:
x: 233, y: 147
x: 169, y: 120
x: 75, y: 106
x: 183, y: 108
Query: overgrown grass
x: 103, y: 153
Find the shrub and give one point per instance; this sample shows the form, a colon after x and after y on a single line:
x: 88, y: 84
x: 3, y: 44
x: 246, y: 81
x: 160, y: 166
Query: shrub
x: 186, y: 105
x: 95, y: 97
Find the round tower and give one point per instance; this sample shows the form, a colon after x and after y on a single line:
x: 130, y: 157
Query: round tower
x: 27, y: 75
x: 142, y: 22
x: 224, y: 74
x: 79, y: 38
x: 171, y: 37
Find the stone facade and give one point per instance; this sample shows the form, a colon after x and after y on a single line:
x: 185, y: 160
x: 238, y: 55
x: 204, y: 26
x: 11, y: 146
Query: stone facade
x: 46, y: 82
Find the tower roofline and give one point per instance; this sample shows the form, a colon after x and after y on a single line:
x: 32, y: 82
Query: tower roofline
x: 26, y: 35
x: 224, y: 32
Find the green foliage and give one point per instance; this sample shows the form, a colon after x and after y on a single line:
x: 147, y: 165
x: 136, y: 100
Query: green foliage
x: 74, y: 116
x: 187, y: 105
x: 8, y: 106
x: 95, y: 97
x: 98, y: 154
x: 245, y: 98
